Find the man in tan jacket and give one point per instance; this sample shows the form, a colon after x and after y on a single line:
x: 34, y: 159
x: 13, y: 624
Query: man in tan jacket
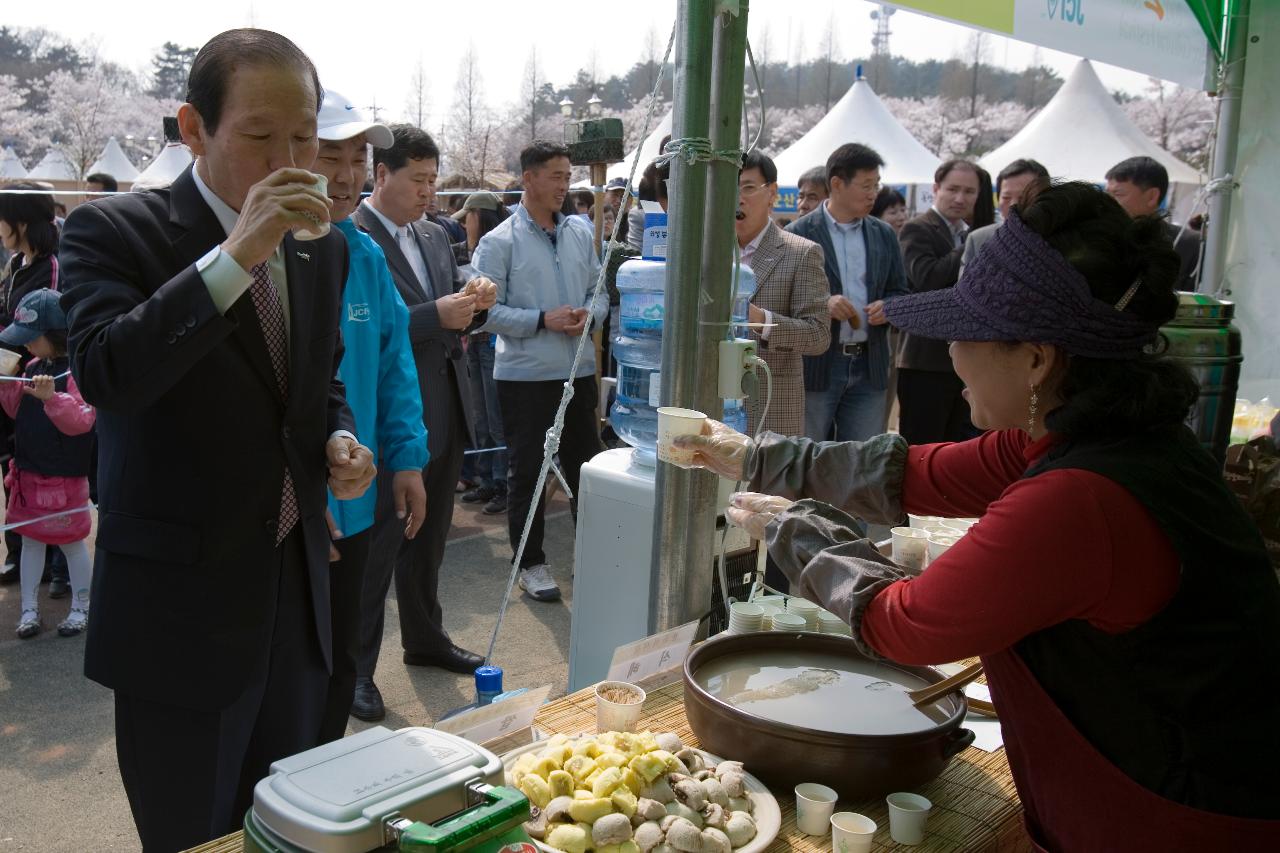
x: 791, y: 297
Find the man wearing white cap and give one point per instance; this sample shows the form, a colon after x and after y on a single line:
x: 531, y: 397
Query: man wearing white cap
x: 382, y: 391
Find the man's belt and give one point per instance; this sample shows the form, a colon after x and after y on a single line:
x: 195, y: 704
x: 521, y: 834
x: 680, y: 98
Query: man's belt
x: 856, y: 350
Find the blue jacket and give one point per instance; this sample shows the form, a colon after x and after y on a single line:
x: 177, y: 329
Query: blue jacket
x: 886, y: 278
x: 534, y: 276
x: 378, y: 370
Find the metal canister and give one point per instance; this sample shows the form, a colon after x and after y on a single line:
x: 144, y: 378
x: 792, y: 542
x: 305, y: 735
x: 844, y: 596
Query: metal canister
x: 1202, y: 337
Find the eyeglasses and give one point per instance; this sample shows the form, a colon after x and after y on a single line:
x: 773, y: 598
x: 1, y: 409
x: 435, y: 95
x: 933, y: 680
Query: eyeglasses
x: 869, y: 189
x: 748, y: 190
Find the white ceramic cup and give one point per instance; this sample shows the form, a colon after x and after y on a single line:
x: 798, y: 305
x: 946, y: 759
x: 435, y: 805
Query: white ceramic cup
x: 909, y: 548
x: 851, y: 832
x: 321, y: 226
x: 938, y: 546
x: 617, y: 716
x: 745, y: 617
x: 907, y: 815
x: 814, y: 805
x: 789, y: 622
x: 674, y: 421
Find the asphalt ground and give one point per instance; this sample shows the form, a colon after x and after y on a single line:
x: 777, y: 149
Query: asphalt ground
x: 59, y: 784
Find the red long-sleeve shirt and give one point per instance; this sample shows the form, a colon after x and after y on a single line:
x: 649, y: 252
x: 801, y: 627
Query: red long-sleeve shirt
x: 1066, y: 544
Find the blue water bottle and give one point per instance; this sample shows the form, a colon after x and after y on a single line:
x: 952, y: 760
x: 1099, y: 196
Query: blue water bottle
x: 488, y: 684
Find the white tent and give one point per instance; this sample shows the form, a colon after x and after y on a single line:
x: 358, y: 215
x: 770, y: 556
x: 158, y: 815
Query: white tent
x: 648, y: 151
x: 11, y: 168
x: 54, y: 167
x: 859, y: 116
x: 114, y: 163
x: 167, y: 166
x: 1081, y: 133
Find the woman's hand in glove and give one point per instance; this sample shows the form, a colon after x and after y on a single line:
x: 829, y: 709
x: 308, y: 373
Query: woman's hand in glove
x: 719, y: 448
x: 753, y: 511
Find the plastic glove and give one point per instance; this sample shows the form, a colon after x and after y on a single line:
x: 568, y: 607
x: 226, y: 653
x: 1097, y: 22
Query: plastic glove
x: 720, y: 449
x: 753, y: 511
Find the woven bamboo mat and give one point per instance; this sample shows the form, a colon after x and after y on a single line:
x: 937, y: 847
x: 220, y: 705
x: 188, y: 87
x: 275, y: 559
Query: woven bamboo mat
x: 975, y: 807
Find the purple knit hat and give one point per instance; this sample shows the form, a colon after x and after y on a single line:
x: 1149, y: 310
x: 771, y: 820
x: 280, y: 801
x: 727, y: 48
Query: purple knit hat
x: 1020, y: 288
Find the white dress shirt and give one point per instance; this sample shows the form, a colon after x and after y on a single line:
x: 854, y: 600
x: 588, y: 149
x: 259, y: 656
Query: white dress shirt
x: 850, y: 247
x: 745, y: 254
x: 958, y: 229
x: 408, y: 247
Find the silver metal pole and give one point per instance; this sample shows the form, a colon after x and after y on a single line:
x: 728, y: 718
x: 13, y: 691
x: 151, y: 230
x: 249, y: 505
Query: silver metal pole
x: 684, y: 524
x: 1236, y: 39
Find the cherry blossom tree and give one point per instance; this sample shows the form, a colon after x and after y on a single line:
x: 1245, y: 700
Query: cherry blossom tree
x: 1179, y: 120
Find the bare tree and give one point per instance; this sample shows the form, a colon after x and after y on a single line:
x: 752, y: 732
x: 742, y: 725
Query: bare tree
x: 976, y: 52
x: 762, y: 49
x: 471, y: 121
x: 418, y: 103
x: 532, y: 94
x: 829, y: 48
x: 651, y: 57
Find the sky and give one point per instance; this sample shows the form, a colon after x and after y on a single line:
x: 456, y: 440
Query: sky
x: 370, y: 56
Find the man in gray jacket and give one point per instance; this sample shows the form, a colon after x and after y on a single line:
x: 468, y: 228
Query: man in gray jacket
x: 545, y: 266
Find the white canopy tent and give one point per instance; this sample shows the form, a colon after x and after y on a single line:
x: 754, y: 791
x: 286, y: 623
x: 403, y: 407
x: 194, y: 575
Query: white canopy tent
x: 114, y: 163
x: 860, y: 116
x: 167, y: 166
x: 649, y: 149
x: 1082, y: 132
x: 54, y: 167
x: 11, y: 168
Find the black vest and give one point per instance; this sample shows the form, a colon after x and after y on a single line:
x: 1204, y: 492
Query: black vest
x: 40, y: 446
x: 1187, y: 704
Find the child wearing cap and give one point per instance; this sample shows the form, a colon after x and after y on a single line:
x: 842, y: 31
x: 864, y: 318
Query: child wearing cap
x: 49, y: 472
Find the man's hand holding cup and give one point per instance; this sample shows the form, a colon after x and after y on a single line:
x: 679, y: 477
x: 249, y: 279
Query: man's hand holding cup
x: 287, y: 199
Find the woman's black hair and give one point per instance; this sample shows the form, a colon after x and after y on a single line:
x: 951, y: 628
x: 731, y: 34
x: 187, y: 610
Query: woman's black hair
x: 490, y: 219
x: 1111, y: 398
x: 984, y: 206
x: 887, y: 197
x: 34, y: 211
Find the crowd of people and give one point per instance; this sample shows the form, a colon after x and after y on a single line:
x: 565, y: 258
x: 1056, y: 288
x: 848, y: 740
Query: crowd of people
x: 324, y: 392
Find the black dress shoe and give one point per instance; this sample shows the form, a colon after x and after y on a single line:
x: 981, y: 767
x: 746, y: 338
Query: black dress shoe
x: 59, y: 588
x: 367, y: 704
x: 451, y: 657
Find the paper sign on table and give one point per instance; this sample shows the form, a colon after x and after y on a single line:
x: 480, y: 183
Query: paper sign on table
x: 652, y: 655
x: 499, y: 719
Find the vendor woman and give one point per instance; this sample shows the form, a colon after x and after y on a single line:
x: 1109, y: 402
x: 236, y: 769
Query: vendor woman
x: 1120, y: 599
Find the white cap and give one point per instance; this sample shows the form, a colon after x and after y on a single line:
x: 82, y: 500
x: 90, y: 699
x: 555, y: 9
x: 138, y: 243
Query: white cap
x: 339, y: 119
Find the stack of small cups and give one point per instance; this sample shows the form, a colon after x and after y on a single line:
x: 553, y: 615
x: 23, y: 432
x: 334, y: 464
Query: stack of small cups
x: 806, y: 610
x: 830, y: 623
x: 787, y: 621
x: 745, y: 617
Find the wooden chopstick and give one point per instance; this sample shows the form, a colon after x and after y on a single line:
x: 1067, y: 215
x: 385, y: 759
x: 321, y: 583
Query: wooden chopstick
x: 981, y: 707
x: 934, y: 692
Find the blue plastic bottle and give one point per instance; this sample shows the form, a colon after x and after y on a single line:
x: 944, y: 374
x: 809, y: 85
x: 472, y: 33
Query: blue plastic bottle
x: 488, y: 684
x: 638, y: 349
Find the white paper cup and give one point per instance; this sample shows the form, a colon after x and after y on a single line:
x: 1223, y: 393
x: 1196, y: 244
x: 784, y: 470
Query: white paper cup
x: 672, y: 422
x: 9, y: 361
x: 919, y: 521
x: 910, y: 546
x: 959, y: 525
x: 907, y: 816
x: 851, y: 832
x: 814, y: 805
x: 938, y: 546
x: 788, y: 622
x: 613, y: 716
x: 320, y: 226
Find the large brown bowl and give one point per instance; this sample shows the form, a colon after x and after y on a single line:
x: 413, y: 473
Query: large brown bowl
x: 858, y: 766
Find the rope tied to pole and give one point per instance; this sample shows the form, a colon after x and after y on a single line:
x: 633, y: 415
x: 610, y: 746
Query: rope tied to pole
x: 697, y: 149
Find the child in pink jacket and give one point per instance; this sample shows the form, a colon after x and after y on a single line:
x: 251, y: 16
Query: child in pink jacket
x: 48, y: 479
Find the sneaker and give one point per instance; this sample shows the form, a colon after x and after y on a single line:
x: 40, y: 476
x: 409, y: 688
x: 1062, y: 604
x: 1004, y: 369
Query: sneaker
x: 538, y: 583
x: 9, y: 573
x: 77, y: 620
x: 462, y: 486
x: 478, y: 494
x: 497, y: 505
x: 29, y: 625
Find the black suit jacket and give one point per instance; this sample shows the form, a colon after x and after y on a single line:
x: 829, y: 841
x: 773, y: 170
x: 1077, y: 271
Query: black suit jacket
x: 933, y: 262
x: 194, y: 439
x: 885, y: 280
x: 437, y: 351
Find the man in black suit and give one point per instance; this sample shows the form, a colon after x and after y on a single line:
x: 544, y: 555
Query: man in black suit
x: 207, y: 337
x: 931, y: 407
x: 1141, y: 185
x: 442, y: 310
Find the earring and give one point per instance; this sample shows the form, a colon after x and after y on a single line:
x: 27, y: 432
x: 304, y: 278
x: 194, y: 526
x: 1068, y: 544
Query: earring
x: 1031, y: 415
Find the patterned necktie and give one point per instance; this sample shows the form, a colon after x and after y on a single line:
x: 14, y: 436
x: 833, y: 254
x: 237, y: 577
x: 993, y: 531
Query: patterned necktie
x: 271, y: 317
